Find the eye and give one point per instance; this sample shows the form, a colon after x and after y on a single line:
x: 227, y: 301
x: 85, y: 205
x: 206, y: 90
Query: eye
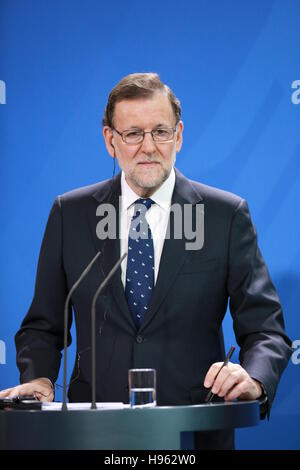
x: 161, y: 132
x: 132, y: 134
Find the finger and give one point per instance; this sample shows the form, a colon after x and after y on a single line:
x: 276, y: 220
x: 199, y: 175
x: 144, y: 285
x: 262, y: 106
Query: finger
x: 231, y: 381
x: 41, y: 397
x: 21, y: 390
x: 220, y: 379
x: 45, y: 395
x: 238, y: 390
x: 17, y: 391
x: 44, y: 392
x: 5, y: 392
x: 12, y: 393
x: 212, y: 373
x: 24, y: 389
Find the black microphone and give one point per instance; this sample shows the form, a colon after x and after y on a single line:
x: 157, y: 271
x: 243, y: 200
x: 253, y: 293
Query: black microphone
x: 93, y: 327
x: 66, y: 312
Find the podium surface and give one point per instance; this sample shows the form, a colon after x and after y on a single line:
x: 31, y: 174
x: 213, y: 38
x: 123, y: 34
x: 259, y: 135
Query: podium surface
x: 119, y: 429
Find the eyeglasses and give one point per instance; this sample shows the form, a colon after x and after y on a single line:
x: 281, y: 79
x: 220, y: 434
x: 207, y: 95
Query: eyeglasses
x: 136, y: 136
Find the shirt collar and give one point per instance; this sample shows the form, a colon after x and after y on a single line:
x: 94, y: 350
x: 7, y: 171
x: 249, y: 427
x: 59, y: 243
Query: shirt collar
x: 162, y: 196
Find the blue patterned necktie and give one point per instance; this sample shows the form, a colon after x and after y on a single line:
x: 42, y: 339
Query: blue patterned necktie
x: 140, y: 262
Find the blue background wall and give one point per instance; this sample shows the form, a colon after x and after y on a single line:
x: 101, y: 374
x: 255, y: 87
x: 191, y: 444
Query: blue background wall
x: 231, y: 63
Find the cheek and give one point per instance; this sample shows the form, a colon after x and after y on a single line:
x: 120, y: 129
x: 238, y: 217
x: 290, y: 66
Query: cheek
x: 167, y: 152
x: 126, y: 155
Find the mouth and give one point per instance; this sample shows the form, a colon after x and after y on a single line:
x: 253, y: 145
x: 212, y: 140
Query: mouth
x: 149, y: 163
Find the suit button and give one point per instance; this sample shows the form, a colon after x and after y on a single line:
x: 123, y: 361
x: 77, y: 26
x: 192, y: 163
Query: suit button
x: 139, y: 339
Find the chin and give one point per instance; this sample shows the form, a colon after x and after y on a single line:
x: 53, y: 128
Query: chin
x: 150, y: 182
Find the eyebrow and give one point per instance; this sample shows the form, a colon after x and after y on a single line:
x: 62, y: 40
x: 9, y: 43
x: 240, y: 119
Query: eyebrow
x: 139, y: 128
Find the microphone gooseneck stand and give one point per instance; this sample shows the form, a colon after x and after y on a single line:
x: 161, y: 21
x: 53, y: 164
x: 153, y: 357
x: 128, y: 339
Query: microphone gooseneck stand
x: 93, y: 327
x: 66, y: 314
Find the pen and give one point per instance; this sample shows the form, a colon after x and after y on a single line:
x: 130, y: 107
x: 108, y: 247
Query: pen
x: 210, y: 394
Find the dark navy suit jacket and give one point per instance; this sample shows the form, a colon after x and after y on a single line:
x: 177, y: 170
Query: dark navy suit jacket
x: 181, y: 335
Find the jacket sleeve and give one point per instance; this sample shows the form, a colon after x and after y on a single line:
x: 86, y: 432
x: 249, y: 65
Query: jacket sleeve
x: 40, y: 339
x: 255, y: 307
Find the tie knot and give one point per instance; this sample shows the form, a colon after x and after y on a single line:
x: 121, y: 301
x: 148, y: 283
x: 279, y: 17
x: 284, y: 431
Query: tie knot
x: 147, y: 202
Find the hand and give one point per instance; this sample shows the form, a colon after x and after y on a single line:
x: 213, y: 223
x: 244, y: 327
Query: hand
x: 232, y: 382
x: 40, y: 388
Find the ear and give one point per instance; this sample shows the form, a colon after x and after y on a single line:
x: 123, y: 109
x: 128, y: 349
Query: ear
x: 179, y: 136
x: 108, y: 137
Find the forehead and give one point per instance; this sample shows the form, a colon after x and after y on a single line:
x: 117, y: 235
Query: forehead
x: 144, y: 112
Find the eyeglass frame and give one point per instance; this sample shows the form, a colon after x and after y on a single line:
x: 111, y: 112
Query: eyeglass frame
x: 174, y: 129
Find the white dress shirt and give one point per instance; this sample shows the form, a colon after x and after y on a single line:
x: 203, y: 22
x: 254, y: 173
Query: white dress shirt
x: 157, y: 217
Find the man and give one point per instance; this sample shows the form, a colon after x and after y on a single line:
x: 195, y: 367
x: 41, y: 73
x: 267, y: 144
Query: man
x: 169, y: 319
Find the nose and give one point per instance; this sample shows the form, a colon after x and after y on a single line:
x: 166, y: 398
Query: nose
x: 148, y: 145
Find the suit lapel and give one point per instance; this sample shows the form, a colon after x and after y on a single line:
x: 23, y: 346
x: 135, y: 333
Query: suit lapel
x: 174, y: 251
x: 110, y: 247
